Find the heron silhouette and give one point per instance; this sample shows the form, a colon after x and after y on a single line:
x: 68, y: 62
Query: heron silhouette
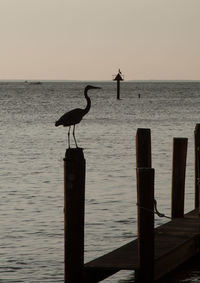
x: 74, y: 116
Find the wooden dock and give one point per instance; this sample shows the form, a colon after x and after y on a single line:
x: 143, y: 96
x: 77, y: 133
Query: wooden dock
x: 175, y: 243
x: 156, y: 252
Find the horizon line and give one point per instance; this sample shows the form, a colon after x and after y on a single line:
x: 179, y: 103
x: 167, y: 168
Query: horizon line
x: 93, y: 80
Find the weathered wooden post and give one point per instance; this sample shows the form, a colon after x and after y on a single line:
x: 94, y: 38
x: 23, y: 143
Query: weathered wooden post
x: 197, y: 165
x: 118, y: 78
x: 145, y: 202
x: 74, y: 203
x: 143, y: 148
x: 178, y: 176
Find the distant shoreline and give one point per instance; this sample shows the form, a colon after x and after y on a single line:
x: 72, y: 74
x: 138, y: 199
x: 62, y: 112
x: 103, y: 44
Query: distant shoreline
x: 107, y: 81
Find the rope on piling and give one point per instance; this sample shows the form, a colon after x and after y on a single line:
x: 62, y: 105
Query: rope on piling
x: 155, y: 211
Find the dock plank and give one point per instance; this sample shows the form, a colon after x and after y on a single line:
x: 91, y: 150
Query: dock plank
x: 175, y: 242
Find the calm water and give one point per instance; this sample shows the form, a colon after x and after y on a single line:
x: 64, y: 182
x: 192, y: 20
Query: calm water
x: 31, y: 167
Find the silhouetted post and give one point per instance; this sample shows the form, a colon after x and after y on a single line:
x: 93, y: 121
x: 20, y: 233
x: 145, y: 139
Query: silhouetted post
x: 118, y: 78
x: 178, y: 176
x: 74, y: 203
x: 143, y: 148
x: 145, y: 201
x: 118, y: 89
x: 197, y: 165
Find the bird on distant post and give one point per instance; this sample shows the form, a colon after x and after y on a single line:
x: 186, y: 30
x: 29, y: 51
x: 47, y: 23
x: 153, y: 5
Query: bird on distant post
x: 74, y: 116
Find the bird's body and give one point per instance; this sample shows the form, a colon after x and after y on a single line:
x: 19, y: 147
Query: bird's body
x: 74, y: 116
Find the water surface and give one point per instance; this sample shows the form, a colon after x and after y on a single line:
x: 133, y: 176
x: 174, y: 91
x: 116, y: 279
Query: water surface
x: 32, y: 151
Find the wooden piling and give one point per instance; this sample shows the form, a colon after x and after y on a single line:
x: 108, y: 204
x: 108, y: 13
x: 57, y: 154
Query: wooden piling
x: 145, y: 202
x: 145, y: 196
x: 74, y: 202
x: 143, y: 148
x: 118, y: 89
x: 178, y: 176
x: 197, y: 165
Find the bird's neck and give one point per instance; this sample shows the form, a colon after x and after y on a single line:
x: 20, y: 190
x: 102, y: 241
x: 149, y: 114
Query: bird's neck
x: 87, y: 108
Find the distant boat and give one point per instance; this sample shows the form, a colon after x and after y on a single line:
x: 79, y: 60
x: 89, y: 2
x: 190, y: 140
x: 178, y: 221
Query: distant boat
x: 35, y: 83
x: 32, y: 83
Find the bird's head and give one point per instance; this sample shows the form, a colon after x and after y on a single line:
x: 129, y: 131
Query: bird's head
x: 91, y: 87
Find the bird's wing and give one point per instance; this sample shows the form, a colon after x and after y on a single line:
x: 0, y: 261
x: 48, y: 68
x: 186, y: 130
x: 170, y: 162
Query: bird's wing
x: 70, y: 118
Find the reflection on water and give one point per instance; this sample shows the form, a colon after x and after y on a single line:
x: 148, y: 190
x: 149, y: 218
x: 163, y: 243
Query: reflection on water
x: 191, y: 271
x: 194, y: 277
x: 121, y: 277
x: 129, y: 279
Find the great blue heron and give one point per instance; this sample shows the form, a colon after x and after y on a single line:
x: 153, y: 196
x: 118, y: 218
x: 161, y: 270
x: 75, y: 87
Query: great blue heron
x: 74, y: 116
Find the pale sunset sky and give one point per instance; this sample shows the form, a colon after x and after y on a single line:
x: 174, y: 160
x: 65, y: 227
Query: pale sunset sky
x: 90, y: 40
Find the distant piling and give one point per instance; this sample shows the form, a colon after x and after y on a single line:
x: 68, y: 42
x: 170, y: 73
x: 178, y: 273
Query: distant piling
x: 74, y: 210
x: 118, y: 78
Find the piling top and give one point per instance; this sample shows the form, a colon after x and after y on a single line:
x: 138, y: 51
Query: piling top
x: 74, y: 153
x: 197, y: 128
x: 143, y: 148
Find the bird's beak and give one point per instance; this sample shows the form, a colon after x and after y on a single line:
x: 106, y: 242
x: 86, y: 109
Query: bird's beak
x: 96, y: 87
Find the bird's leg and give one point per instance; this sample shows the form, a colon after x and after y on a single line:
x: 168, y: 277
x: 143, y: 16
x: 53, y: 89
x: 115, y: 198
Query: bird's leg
x: 69, y: 137
x: 74, y: 136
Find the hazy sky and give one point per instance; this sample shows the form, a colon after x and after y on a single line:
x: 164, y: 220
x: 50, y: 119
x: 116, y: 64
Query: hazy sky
x: 90, y: 40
